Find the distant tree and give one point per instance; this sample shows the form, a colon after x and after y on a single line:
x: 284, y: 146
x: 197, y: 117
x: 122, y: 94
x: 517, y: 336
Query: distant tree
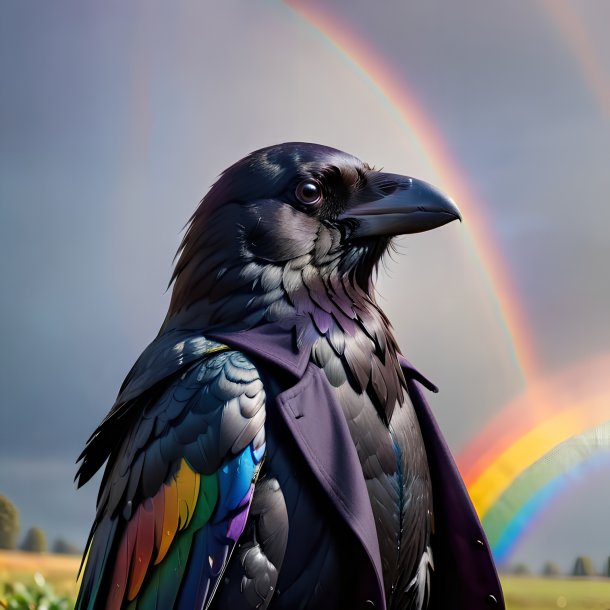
x: 551, y: 569
x: 583, y: 566
x: 35, y: 541
x: 608, y: 568
x: 521, y: 569
x: 63, y: 547
x: 9, y: 524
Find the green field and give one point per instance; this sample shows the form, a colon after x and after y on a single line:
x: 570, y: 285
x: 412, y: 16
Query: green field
x: 521, y: 592
x: 553, y: 593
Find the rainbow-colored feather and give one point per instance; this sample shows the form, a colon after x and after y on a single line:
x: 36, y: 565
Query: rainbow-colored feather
x: 169, y: 549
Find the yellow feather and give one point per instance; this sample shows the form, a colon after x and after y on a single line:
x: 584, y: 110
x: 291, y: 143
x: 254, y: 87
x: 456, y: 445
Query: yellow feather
x: 170, y: 519
x: 187, y: 483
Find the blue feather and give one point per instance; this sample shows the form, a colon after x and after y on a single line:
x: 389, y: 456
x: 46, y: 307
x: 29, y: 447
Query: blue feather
x: 235, y: 478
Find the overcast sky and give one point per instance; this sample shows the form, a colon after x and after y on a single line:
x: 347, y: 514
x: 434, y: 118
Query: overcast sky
x: 116, y: 117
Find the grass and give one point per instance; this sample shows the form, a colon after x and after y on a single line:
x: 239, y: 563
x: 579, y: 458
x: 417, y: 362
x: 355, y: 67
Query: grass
x: 521, y: 592
x: 58, y: 570
x: 534, y: 593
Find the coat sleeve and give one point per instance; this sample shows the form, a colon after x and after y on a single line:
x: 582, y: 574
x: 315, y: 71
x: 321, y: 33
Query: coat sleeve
x: 465, y: 575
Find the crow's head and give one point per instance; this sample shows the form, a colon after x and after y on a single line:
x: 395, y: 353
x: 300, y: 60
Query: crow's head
x: 287, y: 228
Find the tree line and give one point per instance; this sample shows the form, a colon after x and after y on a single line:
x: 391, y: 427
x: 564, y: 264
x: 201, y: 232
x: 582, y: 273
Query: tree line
x: 34, y: 541
x: 583, y: 566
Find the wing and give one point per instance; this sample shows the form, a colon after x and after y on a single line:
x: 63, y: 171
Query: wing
x: 177, y: 489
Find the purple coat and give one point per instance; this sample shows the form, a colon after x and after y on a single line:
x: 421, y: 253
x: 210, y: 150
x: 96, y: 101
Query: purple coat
x: 464, y: 577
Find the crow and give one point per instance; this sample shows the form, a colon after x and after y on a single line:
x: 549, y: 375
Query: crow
x: 271, y: 448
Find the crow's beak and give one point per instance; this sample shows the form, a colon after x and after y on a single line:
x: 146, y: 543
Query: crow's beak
x: 408, y: 206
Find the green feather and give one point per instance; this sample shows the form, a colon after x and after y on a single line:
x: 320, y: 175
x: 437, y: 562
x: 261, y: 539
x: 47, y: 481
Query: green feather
x: 206, y: 502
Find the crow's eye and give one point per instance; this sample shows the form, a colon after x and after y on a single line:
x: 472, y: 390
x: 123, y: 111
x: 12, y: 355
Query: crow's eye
x: 308, y: 192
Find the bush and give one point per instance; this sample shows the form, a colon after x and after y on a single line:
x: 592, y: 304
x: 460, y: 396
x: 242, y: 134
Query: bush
x: 583, y: 567
x: 551, y: 569
x: 37, y: 596
x: 9, y: 524
x: 63, y: 547
x: 35, y: 541
x: 521, y: 569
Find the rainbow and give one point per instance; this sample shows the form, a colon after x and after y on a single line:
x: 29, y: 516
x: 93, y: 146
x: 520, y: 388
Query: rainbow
x: 379, y: 74
x: 517, y: 508
x: 527, y: 429
x: 571, y: 28
x: 507, y: 467
x: 534, y: 448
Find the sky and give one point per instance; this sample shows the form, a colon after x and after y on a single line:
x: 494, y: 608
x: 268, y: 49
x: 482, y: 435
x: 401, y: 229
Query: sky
x: 115, y: 119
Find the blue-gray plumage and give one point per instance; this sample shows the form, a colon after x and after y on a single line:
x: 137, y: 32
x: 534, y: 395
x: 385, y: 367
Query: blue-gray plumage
x: 286, y: 242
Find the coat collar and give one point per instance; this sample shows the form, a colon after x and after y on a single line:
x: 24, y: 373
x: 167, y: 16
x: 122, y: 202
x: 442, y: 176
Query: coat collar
x: 174, y: 349
x: 270, y: 342
x: 277, y: 345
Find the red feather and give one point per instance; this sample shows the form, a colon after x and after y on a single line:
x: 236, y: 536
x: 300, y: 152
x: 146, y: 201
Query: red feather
x: 120, y: 573
x: 143, y: 547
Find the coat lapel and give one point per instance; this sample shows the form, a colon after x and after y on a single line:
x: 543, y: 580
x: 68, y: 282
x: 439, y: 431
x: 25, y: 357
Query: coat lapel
x: 318, y: 425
